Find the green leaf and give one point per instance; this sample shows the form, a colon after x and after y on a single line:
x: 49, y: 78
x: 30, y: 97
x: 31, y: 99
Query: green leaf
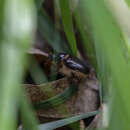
x: 68, y: 25
x: 17, y: 22
x: 128, y: 2
x: 27, y: 114
x: 87, y: 42
x: 56, y: 100
x: 48, y: 32
x: 39, y: 4
x: 113, y: 63
x: 63, y: 122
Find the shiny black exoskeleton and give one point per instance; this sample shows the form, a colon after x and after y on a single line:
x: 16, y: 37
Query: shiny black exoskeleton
x: 73, y: 63
x: 69, y: 63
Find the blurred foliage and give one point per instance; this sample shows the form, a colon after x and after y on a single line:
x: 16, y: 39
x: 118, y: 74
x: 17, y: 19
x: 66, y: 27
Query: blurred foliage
x: 113, y: 65
x: 102, y: 38
x: 84, y: 31
x: 17, y: 30
x: 52, y: 35
x: 128, y: 2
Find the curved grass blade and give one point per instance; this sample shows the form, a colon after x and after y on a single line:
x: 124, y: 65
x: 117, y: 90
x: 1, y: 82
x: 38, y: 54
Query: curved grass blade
x: 68, y: 25
x: 63, y: 122
x: 56, y: 100
x: 37, y: 73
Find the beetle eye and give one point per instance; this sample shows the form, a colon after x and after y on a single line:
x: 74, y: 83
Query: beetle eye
x: 61, y: 56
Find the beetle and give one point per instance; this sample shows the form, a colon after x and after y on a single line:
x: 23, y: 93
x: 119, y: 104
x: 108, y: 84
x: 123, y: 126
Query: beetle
x: 66, y: 64
x: 72, y: 67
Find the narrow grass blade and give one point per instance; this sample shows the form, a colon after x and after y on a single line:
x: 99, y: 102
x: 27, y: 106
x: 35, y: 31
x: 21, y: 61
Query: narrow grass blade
x: 48, y: 32
x: 68, y: 24
x: 63, y: 122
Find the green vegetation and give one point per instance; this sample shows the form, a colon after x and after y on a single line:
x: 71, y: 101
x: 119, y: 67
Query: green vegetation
x: 105, y: 43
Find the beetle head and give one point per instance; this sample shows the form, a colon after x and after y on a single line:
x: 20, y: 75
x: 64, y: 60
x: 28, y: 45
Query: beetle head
x: 61, y: 56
